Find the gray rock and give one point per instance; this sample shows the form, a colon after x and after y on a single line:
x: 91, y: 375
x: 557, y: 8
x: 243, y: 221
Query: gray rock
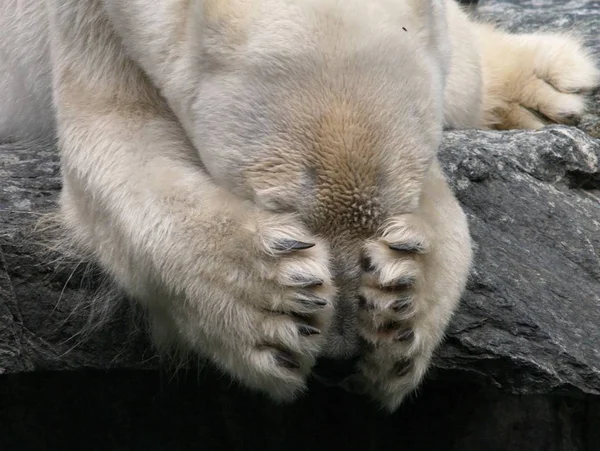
x: 530, y: 319
x: 520, y: 368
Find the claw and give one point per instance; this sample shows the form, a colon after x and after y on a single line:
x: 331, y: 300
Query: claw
x: 402, y: 367
x: 286, y: 360
x: 402, y: 304
x: 389, y: 326
x: 405, y: 335
x: 570, y: 119
x: 307, y: 330
x: 292, y: 245
x: 312, y: 300
x: 307, y: 283
x: 416, y: 248
x: 398, y: 284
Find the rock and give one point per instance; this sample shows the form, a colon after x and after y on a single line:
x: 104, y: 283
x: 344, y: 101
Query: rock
x: 520, y: 368
x: 529, y: 321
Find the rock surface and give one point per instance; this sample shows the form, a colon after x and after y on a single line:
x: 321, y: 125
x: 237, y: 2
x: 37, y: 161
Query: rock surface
x: 520, y: 368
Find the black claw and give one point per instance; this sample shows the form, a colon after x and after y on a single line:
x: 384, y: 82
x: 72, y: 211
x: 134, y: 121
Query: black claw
x: 286, y: 360
x: 405, y: 335
x: 320, y: 302
x: 307, y: 283
x: 402, y: 367
x: 399, y: 284
x: 366, y: 264
x: 402, y: 304
x: 541, y: 116
x: 416, y: 248
x: 312, y: 300
x: 292, y: 245
x: 570, y: 119
x: 390, y: 326
x: 307, y: 330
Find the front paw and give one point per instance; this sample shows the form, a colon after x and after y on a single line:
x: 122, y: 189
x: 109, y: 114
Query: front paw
x: 266, y: 306
x: 393, y: 312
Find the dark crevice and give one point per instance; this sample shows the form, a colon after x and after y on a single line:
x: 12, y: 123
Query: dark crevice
x: 148, y: 410
x: 583, y: 180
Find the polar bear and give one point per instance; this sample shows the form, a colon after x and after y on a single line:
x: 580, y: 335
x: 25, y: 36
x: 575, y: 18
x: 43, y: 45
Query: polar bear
x: 261, y: 175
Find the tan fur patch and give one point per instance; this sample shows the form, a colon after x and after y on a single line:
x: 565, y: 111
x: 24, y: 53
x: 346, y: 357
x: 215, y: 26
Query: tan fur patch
x: 233, y: 18
x: 346, y: 168
x: 337, y: 160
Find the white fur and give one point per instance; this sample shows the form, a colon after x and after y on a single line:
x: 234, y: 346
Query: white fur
x: 199, y: 138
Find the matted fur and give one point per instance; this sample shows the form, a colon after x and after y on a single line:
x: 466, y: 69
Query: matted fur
x: 261, y: 175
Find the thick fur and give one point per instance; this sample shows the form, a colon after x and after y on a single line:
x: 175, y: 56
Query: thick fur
x: 261, y: 175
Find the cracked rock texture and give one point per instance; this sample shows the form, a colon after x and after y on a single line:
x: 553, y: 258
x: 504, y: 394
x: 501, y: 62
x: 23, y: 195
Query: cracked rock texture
x: 520, y: 369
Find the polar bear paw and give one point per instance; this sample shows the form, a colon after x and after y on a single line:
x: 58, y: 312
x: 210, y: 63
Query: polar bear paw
x: 532, y: 80
x: 393, y: 313
x: 264, y: 306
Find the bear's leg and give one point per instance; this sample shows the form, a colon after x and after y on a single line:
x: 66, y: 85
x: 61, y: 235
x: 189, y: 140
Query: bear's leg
x: 247, y: 289
x: 531, y: 80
